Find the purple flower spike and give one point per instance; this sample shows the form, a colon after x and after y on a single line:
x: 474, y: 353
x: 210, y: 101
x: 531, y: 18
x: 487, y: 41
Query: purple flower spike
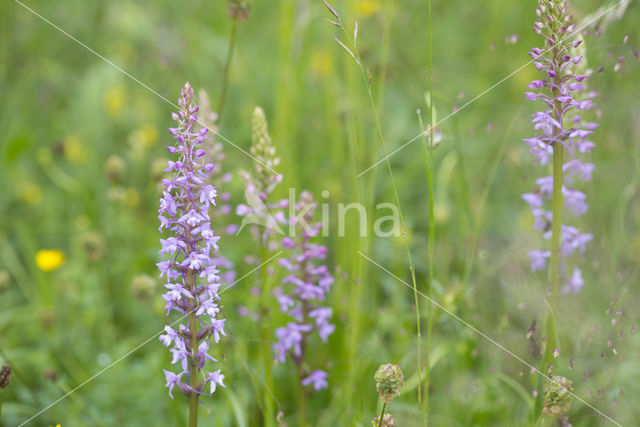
x: 561, y: 88
x: 303, y: 290
x: 190, y: 269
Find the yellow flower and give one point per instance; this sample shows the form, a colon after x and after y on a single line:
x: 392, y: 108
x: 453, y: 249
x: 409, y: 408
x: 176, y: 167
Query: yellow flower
x: 114, y: 100
x: 141, y: 140
x: 322, y: 63
x: 441, y: 212
x: 144, y: 136
x: 29, y: 192
x: 74, y: 149
x: 131, y: 197
x: 367, y: 7
x: 149, y: 134
x: 49, y: 259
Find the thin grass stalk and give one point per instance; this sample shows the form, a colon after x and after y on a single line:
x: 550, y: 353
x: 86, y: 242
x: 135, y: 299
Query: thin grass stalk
x: 227, y: 67
x: 429, y: 166
x: 355, y: 243
x: 384, y: 58
x: 467, y: 220
x: 366, y: 78
x: 475, y: 236
x: 428, y: 156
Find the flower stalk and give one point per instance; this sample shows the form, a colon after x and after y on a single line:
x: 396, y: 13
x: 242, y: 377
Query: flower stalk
x: 258, y: 211
x: 381, y: 417
x: 238, y: 11
x: 389, y: 380
x: 563, y: 132
x: 556, y: 226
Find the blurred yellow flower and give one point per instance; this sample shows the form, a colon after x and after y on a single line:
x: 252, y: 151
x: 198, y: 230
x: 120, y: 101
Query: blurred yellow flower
x: 49, y: 259
x: 145, y: 136
x: 114, y: 100
x: 367, y: 7
x: 131, y: 197
x: 74, y: 150
x: 29, y: 192
x: 322, y: 63
x: 441, y: 212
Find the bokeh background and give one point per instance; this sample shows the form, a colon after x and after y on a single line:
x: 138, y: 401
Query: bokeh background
x: 68, y: 313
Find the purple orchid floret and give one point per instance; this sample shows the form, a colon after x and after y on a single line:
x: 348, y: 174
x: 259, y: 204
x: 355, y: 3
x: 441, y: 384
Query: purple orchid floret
x: 561, y: 89
x: 191, y: 271
x: 303, y: 291
x: 318, y: 379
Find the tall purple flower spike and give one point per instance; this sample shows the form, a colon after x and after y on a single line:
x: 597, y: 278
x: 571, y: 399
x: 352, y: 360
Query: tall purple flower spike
x: 302, y: 292
x: 192, y: 278
x: 561, y: 88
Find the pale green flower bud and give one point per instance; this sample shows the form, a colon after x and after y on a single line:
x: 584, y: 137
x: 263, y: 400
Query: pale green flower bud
x: 557, y: 396
x: 389, y: 381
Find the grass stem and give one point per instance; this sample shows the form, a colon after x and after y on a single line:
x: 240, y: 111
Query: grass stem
x: 429, y: 166
x: 227, y: 67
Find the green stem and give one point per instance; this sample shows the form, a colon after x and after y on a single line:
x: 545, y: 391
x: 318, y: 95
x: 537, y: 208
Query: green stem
x: 428, y: 158
x: 556, y: 225
x: 269, y: 414
x: 227, y: 67
x: 302, y: 422
x: 429, y: 165
x: 384, y: 407
x: 556, y: 241
x: 193, y: 328
x: 1, y: 399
